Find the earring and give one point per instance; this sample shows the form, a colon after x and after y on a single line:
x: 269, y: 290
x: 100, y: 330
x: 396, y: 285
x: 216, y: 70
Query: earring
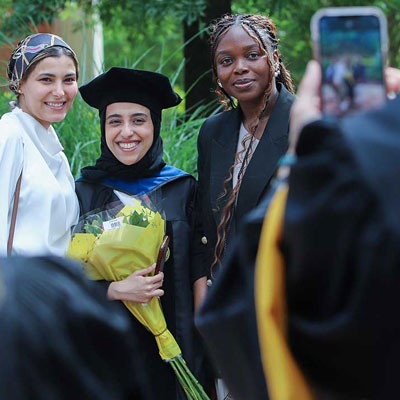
x: 277, y: 70
x: 219, y: 83
x: 18, y: 91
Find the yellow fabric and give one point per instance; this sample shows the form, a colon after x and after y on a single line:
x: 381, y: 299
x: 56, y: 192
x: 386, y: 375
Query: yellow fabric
x: 285, y: 380
x: 116, y: 254
x: 152, y: 317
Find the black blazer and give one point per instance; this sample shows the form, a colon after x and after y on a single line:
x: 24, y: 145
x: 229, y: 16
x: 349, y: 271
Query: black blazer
x: 217, y: 144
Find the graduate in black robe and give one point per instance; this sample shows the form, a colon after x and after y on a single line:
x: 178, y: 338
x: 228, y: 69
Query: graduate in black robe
x: 340, y: 247
x: 170, y: 189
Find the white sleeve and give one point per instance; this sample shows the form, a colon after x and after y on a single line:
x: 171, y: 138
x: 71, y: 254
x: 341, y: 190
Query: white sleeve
x: 11, y: 162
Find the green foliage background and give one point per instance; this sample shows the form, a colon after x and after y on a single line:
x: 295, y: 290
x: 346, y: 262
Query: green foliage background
x: 148, y: 35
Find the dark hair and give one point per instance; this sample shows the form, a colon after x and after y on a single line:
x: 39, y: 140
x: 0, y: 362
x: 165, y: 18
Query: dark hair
x: 53, y: 51
x: 263, y: 30
x: 60, y: 322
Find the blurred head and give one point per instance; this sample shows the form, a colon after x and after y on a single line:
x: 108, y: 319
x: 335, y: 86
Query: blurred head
x: 43, y: 72
x: 129, y: 131
x: 61, y: 338
x: 246, y: 61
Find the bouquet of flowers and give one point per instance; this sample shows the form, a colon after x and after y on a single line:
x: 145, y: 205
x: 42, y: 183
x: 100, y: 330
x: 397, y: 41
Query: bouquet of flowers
x: 114, y: 243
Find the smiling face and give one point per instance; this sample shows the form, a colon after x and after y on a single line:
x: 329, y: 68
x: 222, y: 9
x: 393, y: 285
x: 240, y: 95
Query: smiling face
x: 129, y: 131
x: 242, y: 66
x: 49, y: 90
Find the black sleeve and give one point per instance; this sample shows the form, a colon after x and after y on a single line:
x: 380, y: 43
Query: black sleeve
x: 227, y: 319
x: 198, y: 265
x: 202, y: 236
x: 202, y: 161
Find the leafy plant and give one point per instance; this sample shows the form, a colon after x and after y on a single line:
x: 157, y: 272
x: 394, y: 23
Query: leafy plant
x: 137, y: 219
x: 17, y: 17
x: 94, y: 226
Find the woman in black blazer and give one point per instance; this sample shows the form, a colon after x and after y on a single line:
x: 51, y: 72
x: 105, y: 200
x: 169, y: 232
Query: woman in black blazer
x: 239, y: 148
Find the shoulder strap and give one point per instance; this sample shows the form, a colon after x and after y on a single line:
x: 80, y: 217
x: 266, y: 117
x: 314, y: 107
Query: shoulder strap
x: 14, y: 216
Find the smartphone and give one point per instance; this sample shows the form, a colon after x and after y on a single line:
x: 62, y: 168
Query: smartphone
x: 162, y: 254
x: 351, y: 45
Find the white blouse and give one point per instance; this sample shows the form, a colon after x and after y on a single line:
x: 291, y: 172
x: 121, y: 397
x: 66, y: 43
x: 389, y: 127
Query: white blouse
x: 48, y: 206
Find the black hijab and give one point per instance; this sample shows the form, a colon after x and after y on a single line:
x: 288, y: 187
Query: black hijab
x: 150, y: 89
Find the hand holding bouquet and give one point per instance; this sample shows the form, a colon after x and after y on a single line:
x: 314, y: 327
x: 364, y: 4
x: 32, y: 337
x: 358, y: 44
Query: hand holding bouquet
x: 139, y: 287
x: 115, y: 243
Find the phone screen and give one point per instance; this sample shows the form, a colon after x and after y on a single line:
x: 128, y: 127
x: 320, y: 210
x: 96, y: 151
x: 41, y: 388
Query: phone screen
x: 352, y: 65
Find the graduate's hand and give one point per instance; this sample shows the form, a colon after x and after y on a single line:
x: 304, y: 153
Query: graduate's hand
x: 137, y: 287
x: 307, y: 106
x: 392, y: 76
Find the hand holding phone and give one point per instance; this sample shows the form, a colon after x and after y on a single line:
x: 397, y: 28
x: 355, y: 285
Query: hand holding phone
x: 350, y: 43
x: 392, y: 80
x: 162, y: 254
x: 306, y: 108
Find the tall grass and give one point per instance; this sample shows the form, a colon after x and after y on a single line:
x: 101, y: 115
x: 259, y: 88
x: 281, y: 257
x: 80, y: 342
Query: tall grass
x: 180, y: 137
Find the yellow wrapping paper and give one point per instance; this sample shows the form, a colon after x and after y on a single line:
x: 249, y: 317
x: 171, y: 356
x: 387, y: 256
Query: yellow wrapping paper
x: 284, y: 378
x: 116, y: 254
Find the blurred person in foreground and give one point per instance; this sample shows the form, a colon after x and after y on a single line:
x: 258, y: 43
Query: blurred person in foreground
x: 321, y: 290
x: 61, y: 338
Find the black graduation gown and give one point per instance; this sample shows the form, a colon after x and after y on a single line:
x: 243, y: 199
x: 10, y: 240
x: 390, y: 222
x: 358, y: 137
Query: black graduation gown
x: 217, y: 144
x: 176, y: 197
x: 341, y: 246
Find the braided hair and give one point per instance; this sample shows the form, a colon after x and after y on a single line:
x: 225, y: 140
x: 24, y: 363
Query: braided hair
x: 263, y: 30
